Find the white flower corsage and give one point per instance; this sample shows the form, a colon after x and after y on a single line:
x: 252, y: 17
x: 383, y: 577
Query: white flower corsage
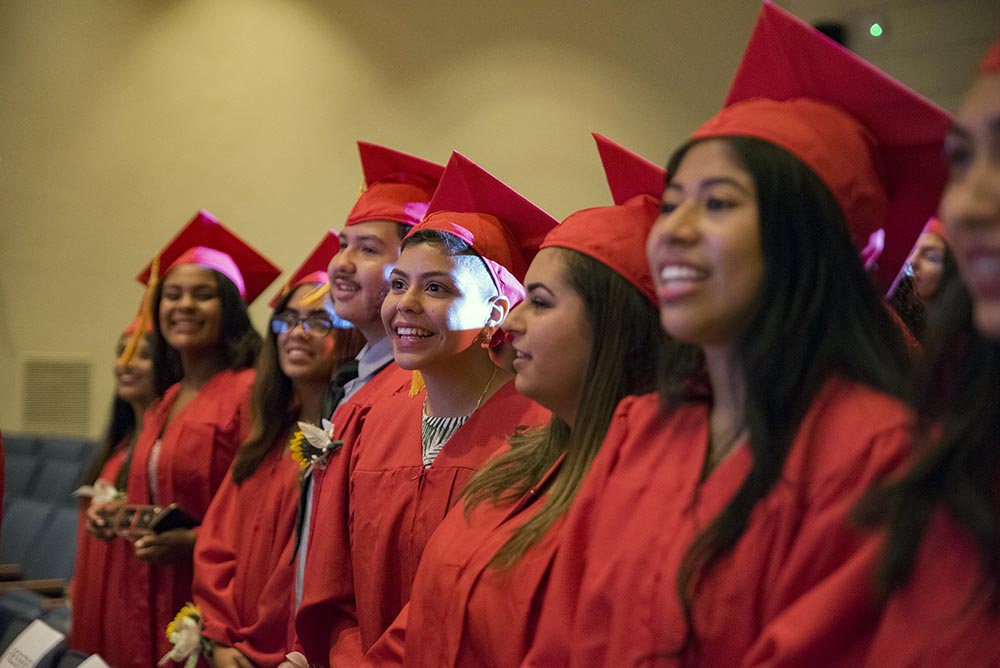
x: 312, y: 446
x: 100, y: 492
x: 294, y: 660
x: 184, y: 633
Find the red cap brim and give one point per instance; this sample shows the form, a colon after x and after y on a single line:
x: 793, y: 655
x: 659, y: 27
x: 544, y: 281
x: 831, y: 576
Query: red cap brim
x: 207, y: 242
x: 616, y: 235
x: 500, y: 224
x: 398, y: 186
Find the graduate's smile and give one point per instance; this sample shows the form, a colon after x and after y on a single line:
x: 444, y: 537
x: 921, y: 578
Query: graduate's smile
x: 436, y: 308
x: 406, y: 334
x: 343, y: 288
x: 982, y: 271
x: 521, y: 358
x: 677, y: 279
x: 184, y: 325
x: 297, y: 353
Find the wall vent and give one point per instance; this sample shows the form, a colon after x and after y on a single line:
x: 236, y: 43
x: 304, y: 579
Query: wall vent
x: 55, y: 394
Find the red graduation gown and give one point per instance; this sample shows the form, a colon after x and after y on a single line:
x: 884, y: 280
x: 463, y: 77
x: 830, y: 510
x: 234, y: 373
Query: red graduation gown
x: 197, y: 448
x: 326, y: 610
x: 243, y: 572
x: 98, y: 564
x: 937, y: 620
x: 794, y: 591
x: 396, y: 503
x: 463, y: 612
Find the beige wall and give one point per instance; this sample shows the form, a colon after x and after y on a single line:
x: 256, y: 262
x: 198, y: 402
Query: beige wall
x: 120, y: 118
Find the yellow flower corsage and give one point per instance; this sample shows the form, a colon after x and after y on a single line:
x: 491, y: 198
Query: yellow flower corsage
x: 312, y: 446
x: 184, y: 633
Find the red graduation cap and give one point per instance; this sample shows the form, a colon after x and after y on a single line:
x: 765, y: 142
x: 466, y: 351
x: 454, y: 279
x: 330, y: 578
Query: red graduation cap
x: 935, y: 226
x: 313, y: 268
x: 398, y: 186
x: 206, y: 242
x: 616, y: 235
x: 503, y: 227
x: 875, y: 143
x: 991, y: 61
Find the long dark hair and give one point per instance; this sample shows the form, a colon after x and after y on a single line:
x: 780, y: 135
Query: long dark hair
x: 958, y: 419
x: 821, y: 317
x: 241, y: 342
x: 626, y: 344
x: 121, y: 426
x: 272, y: 400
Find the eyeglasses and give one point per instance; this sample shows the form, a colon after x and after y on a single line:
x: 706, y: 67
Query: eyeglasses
x: 311, y: 324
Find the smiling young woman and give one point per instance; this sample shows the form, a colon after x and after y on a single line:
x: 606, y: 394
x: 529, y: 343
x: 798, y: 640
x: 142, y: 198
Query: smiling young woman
x: 941, y: 564
x: 713, y: 528
x: 190, y: 438
x: 99, y: 558
x: 243, y: 576
x: 585, y: 336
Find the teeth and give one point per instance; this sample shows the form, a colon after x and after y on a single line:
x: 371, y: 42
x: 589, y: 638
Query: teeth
x: 345, y: 285
x: 680, y: 273
x: 412, y: 332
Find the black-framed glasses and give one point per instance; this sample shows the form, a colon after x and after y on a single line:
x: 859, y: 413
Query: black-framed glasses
x: 317, y: 325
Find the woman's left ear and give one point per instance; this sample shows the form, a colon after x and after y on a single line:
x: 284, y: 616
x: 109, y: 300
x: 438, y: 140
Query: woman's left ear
x: 499, y: 308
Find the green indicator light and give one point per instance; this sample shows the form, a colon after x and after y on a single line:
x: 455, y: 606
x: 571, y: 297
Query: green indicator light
x: 875, y: 30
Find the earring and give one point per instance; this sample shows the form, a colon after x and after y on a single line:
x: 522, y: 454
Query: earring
x: 485, y: 337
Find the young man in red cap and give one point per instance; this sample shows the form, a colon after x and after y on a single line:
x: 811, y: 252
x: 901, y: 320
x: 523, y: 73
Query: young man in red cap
x: 189, y: 438
x: 398, y: 189
x: 585, y: 337
x: 713, y: 528
x: 458, y: 274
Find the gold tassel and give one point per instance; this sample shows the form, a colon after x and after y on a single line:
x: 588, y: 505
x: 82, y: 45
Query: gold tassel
x: 145, y: 314
x: 416, y: 384
x: 314, y: 298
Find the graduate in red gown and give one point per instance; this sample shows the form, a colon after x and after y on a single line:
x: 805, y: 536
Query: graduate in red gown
x: 713, y: 528
x: 190, y: 437
x: 398, y: 189
x: 458, y: 274
x: 586, y: 336
x: 932, y: 261
x: 99, y: 557
x: 243, y: 569
x: 942, y: 561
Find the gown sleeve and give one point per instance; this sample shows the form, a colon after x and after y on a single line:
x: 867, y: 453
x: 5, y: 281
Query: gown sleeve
x: 388, y: 651
x: 823, y: 610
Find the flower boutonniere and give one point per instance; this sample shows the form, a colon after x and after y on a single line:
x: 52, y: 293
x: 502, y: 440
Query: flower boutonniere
x: 100, y: 492
x: 184, y: 633
x: 312, y: 446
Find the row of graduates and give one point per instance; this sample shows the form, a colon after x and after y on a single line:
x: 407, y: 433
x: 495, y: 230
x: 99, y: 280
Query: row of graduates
x: 750, y: 489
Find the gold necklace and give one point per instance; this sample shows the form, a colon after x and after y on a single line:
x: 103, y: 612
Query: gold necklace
x: 481, y: 396
x: 485, y: 390
x: 717, y: 452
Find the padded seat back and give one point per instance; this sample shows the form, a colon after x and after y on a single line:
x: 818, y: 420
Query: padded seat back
x: 54, y: 551
x: 23, y: 523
